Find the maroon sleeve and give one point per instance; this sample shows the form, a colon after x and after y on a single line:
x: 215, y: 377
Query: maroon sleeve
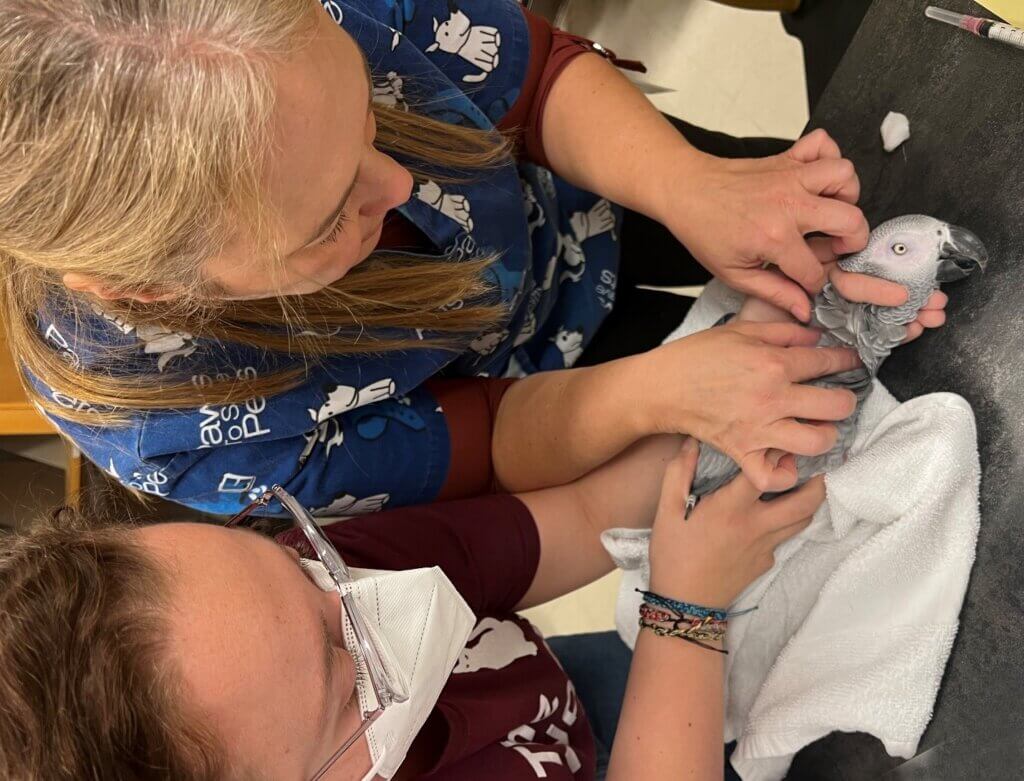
x: 470, y: 408
x: 551, y: 50
x: 487, y: 546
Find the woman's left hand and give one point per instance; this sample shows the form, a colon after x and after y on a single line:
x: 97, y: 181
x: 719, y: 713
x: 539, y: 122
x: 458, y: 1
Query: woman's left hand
x: 863, y: 289
x: 736, y: 216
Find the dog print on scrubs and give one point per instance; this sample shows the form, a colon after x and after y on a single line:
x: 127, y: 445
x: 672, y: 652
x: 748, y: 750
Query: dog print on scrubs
x: 585, y: 225
x: 530, y: 323
x: 535, y: 216
x: 387, y: 91
x: 488, y: 343
x: 494, y: 645
x: 378, y: 447
x: 570, y: 344
x: 330, y: 433
x: 343, y: 398
x: 334, y: 11
x: 347, y: 505
x: 454, y: 207
x: 167, y: 345
x: 477, y: 44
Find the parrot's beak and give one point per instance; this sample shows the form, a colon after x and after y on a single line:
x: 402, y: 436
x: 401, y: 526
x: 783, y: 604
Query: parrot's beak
x: 962, y: 254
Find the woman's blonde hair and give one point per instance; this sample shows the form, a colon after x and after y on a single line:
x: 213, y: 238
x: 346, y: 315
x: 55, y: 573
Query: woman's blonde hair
x: 133, y: 141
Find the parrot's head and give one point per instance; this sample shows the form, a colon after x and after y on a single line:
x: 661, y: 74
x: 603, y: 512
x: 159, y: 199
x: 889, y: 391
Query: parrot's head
x: 919, y: 253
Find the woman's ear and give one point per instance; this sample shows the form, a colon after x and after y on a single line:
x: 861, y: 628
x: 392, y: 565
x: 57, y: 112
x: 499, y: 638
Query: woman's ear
x: 83, y: 283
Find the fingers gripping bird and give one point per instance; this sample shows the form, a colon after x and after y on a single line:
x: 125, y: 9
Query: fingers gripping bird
x: 915, y: 251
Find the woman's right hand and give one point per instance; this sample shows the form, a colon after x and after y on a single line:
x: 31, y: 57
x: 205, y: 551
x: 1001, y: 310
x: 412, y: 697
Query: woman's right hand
x: 730, y: 537
x: 739, y: 387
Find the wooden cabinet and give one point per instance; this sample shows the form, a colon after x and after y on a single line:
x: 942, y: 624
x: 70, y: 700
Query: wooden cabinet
x: 19, y: 417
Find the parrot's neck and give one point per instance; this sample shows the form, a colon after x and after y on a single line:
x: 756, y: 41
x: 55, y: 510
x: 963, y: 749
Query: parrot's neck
x: 871, y: 330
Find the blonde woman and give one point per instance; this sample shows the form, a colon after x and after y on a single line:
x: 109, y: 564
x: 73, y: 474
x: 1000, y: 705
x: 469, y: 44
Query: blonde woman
x: 252, y: 243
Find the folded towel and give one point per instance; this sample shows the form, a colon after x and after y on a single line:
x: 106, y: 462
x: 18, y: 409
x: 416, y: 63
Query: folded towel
x: 856, y: 619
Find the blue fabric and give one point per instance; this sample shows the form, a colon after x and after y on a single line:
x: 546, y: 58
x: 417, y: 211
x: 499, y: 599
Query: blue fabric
x: 598, y: 666
x: 377, y: 436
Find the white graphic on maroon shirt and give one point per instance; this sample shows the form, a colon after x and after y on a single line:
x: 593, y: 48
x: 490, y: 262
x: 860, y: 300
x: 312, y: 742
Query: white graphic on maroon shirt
x: 498, y: 644
x: 477, y: 44
x: 524, y: 739
x: 344, y: 398
x: 454, y: 207
x: 347, y: 504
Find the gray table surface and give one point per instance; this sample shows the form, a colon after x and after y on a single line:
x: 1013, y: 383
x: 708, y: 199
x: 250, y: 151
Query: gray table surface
x: 964, y: 163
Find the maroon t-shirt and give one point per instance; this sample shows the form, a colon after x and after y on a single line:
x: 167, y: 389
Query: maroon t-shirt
x: 508, y: 711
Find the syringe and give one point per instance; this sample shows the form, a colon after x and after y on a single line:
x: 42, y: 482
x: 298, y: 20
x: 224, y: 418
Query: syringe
x: 983, y: 28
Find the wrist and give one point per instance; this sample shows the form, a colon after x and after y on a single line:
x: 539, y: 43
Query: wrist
x: 678, y: 184
x: 667, y: 407
x: 618, y: 388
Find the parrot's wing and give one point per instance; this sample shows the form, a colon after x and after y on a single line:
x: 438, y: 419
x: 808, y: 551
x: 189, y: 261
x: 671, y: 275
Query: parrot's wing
x: 714, y: 469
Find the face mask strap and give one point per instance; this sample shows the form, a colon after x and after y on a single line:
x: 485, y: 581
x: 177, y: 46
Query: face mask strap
x: 367, y: 721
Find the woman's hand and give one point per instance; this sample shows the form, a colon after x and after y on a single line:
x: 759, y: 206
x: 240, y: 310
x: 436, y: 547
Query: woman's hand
x: 740, y: 388
x: 730, y: 537
x: 861, y: 288
x: 736, y: 216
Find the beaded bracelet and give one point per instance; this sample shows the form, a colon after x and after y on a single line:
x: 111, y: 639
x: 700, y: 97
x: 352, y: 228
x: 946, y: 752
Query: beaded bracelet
x: 705, y: 626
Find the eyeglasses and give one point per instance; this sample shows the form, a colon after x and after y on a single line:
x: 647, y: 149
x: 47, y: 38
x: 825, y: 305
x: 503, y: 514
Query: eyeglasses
x: 370, y: 649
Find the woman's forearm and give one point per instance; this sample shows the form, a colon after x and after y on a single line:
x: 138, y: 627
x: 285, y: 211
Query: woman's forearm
x: 671, y: 722
x: 570, y: 518
x: 603, y: 135
x: 554, y: 427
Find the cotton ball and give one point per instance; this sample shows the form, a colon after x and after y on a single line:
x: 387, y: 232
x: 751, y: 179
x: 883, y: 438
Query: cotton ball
x: 895, y: 130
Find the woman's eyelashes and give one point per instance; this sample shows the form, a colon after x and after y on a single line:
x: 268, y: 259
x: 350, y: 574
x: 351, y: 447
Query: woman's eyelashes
x: 332, y: 237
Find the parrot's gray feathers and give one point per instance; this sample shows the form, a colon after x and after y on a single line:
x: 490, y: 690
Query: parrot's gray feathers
x: 858, y: 326
x: 914, y: 251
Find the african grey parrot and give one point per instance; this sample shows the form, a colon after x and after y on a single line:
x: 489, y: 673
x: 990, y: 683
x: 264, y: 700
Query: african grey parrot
x: 915, y: 251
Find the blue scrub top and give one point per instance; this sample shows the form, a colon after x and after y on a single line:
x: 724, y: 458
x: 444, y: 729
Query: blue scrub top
x: 364, y: 429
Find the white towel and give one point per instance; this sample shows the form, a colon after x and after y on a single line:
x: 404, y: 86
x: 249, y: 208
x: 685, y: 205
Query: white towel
x: 856, y: 619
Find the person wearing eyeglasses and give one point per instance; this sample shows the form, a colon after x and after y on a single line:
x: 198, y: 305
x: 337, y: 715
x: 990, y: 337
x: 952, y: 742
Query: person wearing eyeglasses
x: 383, y: 647
x: 243, y: 240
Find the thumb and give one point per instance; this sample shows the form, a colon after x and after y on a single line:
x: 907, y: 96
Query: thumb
x: 678, y: 480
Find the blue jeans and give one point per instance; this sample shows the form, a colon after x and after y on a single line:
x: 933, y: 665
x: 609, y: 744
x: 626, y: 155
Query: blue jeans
x: 598, y: 665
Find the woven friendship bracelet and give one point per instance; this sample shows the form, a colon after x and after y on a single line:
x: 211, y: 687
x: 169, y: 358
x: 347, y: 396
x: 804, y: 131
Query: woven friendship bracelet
x: 686, y: 608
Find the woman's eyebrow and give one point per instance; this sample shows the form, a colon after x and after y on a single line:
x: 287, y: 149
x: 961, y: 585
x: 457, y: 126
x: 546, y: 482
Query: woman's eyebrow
x: 328, y: 671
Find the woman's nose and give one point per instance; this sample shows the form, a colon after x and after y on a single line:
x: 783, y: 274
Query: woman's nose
x: 392, y: 187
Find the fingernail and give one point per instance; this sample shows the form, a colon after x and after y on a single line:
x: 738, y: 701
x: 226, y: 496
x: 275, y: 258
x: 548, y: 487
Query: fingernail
x: 798, y: 313
x: 689, y: 445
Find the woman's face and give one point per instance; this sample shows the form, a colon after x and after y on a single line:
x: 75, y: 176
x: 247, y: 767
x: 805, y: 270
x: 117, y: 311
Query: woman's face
x: 326, y: 180
x: 260, y: 650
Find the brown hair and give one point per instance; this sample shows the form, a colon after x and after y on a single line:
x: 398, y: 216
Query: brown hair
x: 133, y: 141
x: 86, y: 690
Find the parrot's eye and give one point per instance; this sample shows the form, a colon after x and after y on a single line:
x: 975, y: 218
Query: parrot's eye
x: 899, y: 248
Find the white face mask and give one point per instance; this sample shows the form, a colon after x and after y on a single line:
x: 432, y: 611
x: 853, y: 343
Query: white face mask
x: 426, y: 623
